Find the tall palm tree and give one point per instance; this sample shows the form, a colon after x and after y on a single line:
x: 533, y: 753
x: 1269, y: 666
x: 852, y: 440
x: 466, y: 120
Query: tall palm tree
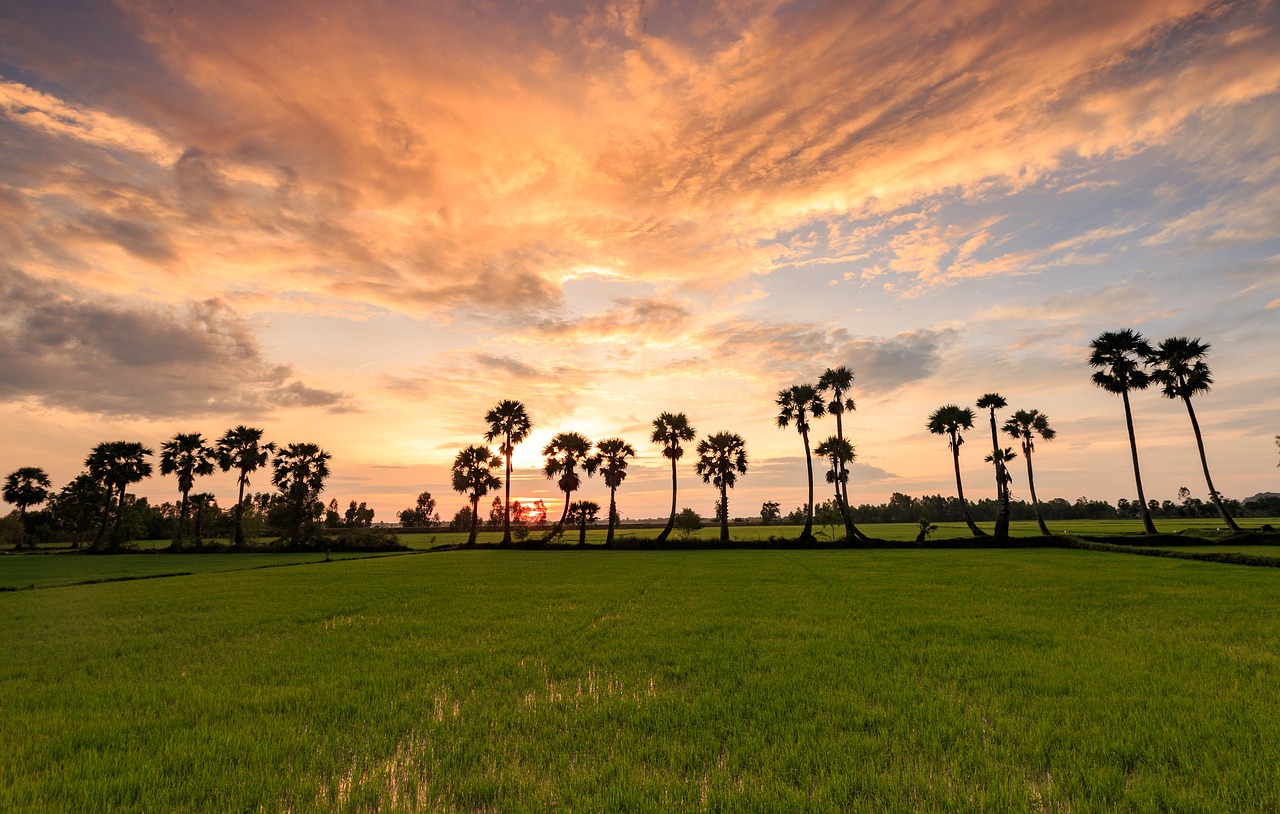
x: 1181, y: 372
x: 26, y: 487
x: 795, y: 405
x: 187, y: 456
x: 116, y: 464
x: 722, y: 457
x: 838, y: 452
x: 839, y: 381
x: 993, y: 402
x: 1121, y: 358
x: 242, y: 449
x: 611, y: 459
x: 510, y: 422
x: 670, y: 429
x: 1025, y: 425
x: 564, y: 452
x: 473, y: 476
x: 949, y: 420
x: 299, y: 472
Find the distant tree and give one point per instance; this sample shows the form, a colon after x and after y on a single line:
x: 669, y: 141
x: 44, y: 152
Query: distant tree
x: 242, y: 449
x: 299, y: 472
x: 949, y: 420
x: 510, y: 422
x: 187, y: 456
x: 462, y: 519
x: 473, y: 476
x: 722, y: 457
x: 538, y: 513
x: 688, y: 522
x: 581, y: 513
x: 358, y: 515
x: 423, y: 512
x: 499, y: 514
x: 26, y: 487
x: 838, y: 382
x: 770, y: 511
x: 795, y: 405
x: 1121, y: 358
x: 564, y: 453
x: 1025, y: 425
x: 116, y: 465
x: 671, y: 430
x: 333, y: 517
x: 992, y: 402
x: 838, y: 452
x: 924, y: 529
x: 77, y: 507
x: 611, y: 459
x: 1181, y: 372
x: 202, y: 503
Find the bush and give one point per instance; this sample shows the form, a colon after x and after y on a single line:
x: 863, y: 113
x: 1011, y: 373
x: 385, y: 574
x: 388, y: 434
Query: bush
x: 687, y: 522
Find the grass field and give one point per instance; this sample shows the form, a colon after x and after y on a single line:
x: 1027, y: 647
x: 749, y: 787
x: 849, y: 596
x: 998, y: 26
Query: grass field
x: 891, y: 680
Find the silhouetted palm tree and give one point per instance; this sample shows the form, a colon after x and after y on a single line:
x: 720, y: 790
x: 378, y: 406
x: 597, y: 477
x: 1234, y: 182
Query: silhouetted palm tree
x: 116, y: 464
x: 670, y: 429
x: 473, y: 477
x: 26, y: 487
x: 1181, y: 372
x: 1025, y: 425
x: 722, y: 457
x: 1121, y: 359
x: 949, y: 420
x: 510, y: 422
x: 564, y: 452
x: 611, y: 459
x: 839, y: 381
x: 186, y: 456
x: 582, y: 512
x: 993, y: 402
x: 299, y: 472
x: 795, y: 405
x: 838, y: 452
x: 242, y: 449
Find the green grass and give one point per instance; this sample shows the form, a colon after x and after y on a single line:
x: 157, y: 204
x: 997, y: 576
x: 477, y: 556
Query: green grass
x: 890, y: 680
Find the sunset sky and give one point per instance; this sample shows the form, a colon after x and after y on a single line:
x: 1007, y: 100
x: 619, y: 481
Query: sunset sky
x: 364, y: 224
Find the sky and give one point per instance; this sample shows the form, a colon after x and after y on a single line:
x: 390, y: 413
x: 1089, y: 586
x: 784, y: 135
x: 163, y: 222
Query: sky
x: 364, y: 224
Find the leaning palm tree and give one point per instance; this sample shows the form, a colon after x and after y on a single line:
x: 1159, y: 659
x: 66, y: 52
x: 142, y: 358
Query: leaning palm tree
x: 949, y: 420
x: 839, y: 381
x: 564, y: 453
x: 993, y: 402
x: 1025, y: 425
x: 116, y: 464
x: 299, y: 472
x: 1181, y: 372
x: 242, y: 449
x: 838, y: 452
x: 24, y: 488
x: 795, y: 405
x: 473, y: 476
x: 722, y: 457
x: 1121, y: 358
x: 611, y: 459
x: 670, y: 429
x: 186, y: 456
x: 510, y: 422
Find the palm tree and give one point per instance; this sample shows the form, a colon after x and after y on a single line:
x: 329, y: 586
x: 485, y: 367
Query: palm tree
x: 670, y: 429
x: 838, y: 452
x: 116, y: 464
x: 721, y: 459
x: 796, y: 404
x: 186, y: 456
x: 1181, y: 372
x: 993, y: 402
x: 242, y: 449
x: 611, y: 459
x: 582, y: 512
x: 24, y: 488
x: 564, y: 452
x: 1025, y: 425
x: 473, y: 477
x: 839, y: 381
x: 510, y: 422
x: 299, y: 472
x: 949, y: 420
x: 1121, y: 358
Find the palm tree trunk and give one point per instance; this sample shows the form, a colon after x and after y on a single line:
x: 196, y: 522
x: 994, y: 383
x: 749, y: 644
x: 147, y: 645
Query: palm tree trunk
x: 1148, y: 526
x: 1002, y: 483
x: 1031, y: 485
x: 475, y: 521
x: 182, y: 523
x: 613, y: 509
x: 564, y: 515
x: 101, y: 534
x: 113, y: 539
x: 239, y: 540
x: 671, y: 521
x: 808, y: 465
x: 506, y: 507
x: 1204, y: 463
x: 724, y: 514
x: 582, y: 531
x: 842, y: 483
x: 964, y: 507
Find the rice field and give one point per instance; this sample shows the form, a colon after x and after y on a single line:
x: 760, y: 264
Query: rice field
x: 852, y: 680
